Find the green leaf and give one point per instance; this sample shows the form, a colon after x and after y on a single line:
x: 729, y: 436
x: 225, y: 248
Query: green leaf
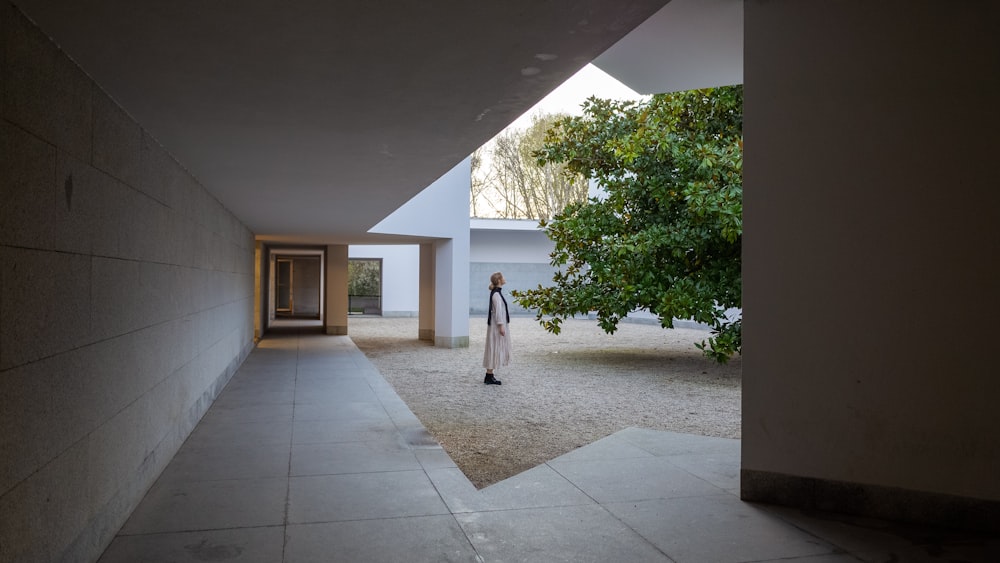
x: 668, y: 235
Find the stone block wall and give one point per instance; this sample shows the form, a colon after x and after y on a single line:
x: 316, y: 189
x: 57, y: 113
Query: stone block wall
x: 519, y: 275
x: 126, y: 303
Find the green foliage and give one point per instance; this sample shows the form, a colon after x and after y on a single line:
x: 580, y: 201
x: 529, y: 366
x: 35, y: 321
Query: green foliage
x: 668, y: 235
x: 364, y: 277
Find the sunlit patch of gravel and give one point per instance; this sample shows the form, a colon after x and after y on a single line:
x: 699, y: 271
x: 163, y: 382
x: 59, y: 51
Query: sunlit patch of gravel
x: 560, y: 391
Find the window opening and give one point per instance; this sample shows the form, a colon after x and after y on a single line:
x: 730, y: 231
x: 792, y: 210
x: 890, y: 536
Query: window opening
x: 364, y: 286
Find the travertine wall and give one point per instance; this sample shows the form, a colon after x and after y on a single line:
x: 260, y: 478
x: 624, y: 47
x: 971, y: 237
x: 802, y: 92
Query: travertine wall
x: 125, y: 300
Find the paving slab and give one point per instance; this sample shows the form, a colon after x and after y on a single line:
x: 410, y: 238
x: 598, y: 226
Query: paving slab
x: 359, y: 496
x: 419, y: 538
x: 351, y: 457
x: 717, y: 529
x: 571, y: 534
x: 620, y: 480
x: 209, y: 505
x: 239, y: 545
x: 227, y: 461
x: 536, y: 488
x: 309, y: 455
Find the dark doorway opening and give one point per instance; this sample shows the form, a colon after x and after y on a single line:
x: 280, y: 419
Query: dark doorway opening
x: 297, y: 285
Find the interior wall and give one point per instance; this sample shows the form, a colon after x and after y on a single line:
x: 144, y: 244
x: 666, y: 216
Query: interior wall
x: 126, y: 299
x: 306, y: 286
x: 400, y: 276
x: 871, y: 210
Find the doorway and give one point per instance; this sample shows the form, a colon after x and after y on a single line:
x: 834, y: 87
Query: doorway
x: 297, y: 286
x: 364, y: 286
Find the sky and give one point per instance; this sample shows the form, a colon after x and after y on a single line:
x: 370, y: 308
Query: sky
x: 567, y: 98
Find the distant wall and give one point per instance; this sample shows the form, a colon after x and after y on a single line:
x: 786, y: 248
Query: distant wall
x: 509, y: 241
x: 518, y: 249
x: 125, y: 297
x: 400, y: 276
x: 305, y: 286
x: 518, y: 275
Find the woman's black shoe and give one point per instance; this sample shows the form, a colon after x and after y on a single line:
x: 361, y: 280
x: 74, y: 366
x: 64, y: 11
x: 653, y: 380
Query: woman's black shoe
x: 490, y: 380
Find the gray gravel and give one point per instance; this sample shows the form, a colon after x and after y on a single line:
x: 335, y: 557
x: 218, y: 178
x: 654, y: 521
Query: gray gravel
x: 560, y: 391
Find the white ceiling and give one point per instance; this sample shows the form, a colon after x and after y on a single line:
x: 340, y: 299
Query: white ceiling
x: 697, y: 44
x: 314, y: 119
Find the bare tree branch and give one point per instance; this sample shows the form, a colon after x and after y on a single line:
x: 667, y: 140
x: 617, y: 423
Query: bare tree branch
x: 510, y: 182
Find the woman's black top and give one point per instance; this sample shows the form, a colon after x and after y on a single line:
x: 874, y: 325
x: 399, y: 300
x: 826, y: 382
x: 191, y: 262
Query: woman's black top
x: 489, y: 308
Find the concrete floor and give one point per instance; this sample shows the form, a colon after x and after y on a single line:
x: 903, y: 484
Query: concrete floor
x: 309, y: 455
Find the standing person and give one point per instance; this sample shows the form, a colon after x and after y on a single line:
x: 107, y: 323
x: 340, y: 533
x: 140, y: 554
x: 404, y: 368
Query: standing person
x: 497, y: 351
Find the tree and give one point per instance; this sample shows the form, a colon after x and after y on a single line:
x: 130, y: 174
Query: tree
x: 513, y: 184
x: 364, y: 277
x: 667, y: 236
x: 482, y: 180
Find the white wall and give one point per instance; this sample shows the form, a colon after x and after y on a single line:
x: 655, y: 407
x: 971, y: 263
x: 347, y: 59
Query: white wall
x: 505, y: 240
x: 442, y: 211
x: 871, y: 213
x: 518, y: 248
x: 688, y: 44
x: 400, y: 276
x: 437, y: 210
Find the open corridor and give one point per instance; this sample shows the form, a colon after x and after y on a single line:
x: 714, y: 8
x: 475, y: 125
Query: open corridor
x: 308, y: 455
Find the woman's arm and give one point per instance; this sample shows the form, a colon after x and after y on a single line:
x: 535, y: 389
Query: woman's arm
x: 498, y: 317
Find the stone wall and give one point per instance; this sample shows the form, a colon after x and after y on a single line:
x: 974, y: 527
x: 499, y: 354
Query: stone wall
x: 519, y: 275
x: 125, y: 299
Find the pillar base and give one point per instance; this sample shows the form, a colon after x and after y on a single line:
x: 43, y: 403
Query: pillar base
x: 426, y: 334
x: 451, y: 341
x: 873, y: 501
x: 336, y: 330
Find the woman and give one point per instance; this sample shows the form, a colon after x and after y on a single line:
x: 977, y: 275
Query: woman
x: 497, y: 330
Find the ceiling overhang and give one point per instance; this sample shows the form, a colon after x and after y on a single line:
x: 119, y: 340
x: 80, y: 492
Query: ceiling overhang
x: 314, y: 120
x: 697, y: 44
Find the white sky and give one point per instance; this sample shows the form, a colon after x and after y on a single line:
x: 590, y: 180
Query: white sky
x: 567, y: 98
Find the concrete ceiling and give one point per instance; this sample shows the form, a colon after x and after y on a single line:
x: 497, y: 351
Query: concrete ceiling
x: 314, y: 119
x: 698, y: 44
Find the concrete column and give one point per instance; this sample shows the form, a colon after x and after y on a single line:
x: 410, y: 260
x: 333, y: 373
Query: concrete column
x: 426, y: 305
x: 451, y: 293
x: 886, y: 404
x: 336, y: 290
x: 258, y: 296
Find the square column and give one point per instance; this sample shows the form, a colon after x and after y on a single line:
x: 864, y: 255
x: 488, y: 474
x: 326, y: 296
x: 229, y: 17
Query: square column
x: 451, y: 293
x: 885, y: 406
x: 337, y: 304
x: 426, y: 303
x: 258, y: 293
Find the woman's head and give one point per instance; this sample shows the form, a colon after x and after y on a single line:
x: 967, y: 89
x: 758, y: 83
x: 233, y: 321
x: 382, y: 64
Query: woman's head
x: 496, y: 280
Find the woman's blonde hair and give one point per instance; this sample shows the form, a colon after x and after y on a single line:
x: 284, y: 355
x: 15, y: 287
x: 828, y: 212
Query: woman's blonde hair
x: 495, y: 280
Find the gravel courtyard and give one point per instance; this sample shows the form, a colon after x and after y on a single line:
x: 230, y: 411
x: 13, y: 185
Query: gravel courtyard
x: 560, y: 391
